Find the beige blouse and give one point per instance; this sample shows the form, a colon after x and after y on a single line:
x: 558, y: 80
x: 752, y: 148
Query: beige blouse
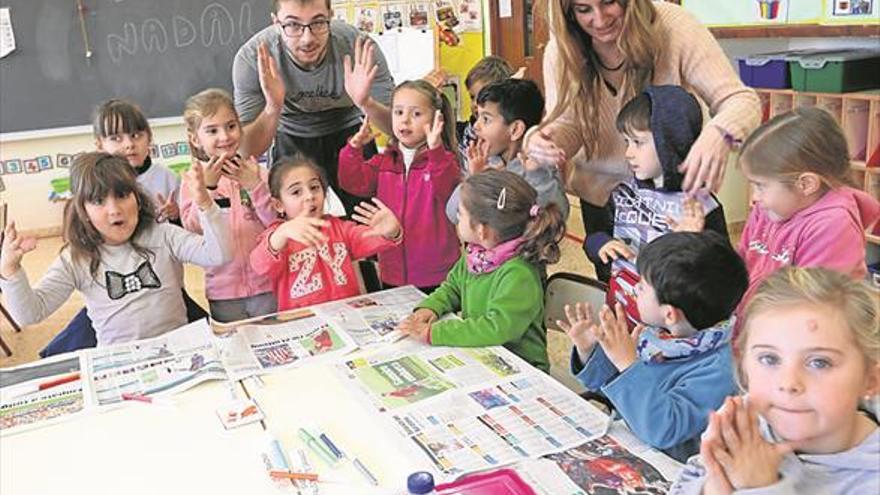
x: 689, y: 57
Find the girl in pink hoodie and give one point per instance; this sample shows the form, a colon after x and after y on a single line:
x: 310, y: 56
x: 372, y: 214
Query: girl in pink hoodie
x: 239, y: 187
x: 414, y: 176
x: 805, y: 214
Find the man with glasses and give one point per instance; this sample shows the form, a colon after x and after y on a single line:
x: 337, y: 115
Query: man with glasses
x: 321, y: 78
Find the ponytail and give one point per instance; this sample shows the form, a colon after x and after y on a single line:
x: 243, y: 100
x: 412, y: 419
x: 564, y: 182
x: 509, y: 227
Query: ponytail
x: 542, y: 236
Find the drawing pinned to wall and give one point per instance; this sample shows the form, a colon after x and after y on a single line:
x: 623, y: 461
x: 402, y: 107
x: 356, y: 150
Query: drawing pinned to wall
x: 447, y: 21
x: 182, y: 148
x: 418, y: 15
x: 63, y: 160
x: 45, y: 162
x: 366, y: 19
x: 31, y: 166
x: 471, y: 15
x: 853, y: 11
x: 768, y: 10
x: 847, y: 7
x: 392, y: 16
x: 12, y: 166
x: 169, y: 150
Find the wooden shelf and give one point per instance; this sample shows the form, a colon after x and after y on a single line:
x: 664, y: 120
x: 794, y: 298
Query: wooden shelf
x: 797, y: 31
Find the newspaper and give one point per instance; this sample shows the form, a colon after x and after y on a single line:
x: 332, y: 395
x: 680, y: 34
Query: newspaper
x: 469, y: 410
x: 29, y: 397
x: 281, y: 341
x: 372, y: 319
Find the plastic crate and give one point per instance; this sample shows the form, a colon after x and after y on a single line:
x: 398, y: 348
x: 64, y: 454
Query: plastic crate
x: 766, y: 70
x: 836, y: 72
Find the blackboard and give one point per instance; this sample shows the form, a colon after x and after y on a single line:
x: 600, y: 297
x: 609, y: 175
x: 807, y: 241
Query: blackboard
x: 154, y: 52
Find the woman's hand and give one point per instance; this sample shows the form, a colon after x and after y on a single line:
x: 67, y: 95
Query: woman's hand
x: 541, y: 148
x: 706, y: 163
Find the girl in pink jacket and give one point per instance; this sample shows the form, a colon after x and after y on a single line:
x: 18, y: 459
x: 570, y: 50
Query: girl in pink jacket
x: 239, y: 187
x: 804, y: 212
x: 414, y: 176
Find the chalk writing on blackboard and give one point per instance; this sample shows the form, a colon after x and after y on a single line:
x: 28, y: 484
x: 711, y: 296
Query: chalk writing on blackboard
x: 216, y: 26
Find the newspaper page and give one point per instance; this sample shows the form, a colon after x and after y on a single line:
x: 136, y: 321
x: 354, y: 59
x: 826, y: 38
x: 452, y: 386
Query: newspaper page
x: 372, y: 319
x: 616, y: 463
x: 469, y: 410
x: 41, y: 393
x: 281, y: 341
x: 163, y: 365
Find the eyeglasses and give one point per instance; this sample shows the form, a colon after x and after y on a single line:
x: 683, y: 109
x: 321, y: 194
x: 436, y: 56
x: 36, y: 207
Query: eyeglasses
x: 295, y: 29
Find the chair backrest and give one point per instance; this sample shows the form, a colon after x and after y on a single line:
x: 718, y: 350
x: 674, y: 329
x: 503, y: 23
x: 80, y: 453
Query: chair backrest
x: 569, y: 288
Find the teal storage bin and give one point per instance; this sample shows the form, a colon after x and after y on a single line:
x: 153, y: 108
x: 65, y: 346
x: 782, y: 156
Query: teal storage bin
x: 836, y: 72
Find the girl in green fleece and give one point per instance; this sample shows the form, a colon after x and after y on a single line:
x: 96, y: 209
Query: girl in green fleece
x: 497, y: 282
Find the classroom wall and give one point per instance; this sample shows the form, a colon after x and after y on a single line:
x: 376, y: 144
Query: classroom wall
x: 28, y: 194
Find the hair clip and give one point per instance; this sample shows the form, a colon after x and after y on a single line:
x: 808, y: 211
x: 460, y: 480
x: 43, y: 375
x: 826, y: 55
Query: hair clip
x: 502, y: 199
x: 534, y: 210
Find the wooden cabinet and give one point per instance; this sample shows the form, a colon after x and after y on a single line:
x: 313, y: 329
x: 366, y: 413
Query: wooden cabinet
x: 858, y: 115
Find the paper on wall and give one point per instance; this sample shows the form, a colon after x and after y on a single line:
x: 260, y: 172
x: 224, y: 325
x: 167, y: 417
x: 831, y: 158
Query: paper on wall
x: 7, y: 36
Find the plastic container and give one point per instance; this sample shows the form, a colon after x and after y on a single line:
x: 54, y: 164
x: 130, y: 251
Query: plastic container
x: 766, y: 70
x: 500, y: 482
x: 835, y: 72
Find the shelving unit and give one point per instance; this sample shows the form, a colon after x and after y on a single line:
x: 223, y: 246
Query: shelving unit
x: 858, y: 115
x: 797, y: 31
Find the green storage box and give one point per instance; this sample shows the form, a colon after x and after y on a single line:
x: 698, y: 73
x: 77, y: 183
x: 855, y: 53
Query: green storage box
x: 836, y: 72
x: 60, y: 185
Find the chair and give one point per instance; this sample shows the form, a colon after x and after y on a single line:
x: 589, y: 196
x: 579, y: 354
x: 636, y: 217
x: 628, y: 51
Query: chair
x: 569, y: 288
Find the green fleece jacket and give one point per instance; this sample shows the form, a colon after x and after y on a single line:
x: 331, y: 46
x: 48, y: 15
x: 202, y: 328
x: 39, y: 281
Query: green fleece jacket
x: 503, y: 307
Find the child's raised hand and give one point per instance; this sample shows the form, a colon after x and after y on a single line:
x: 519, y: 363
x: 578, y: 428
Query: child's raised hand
x: 359, y: 74
x: 271, y: 82
x: 434, y: 131
x: 363, y: 136
x: 614, y: 249
x: 194, y: 180
x: 379, y: 218
x: 167, y: 209
x: 15, y: 246
x: 244, y: 171
x: 749, y: 461
x: 693, y: 217
x: 212, y: 169
x: 615, y: 338
x: 303, y: 229
x: 477, y: 156
x: 580, y: 327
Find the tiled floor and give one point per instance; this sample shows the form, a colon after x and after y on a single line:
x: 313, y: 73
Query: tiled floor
x: 26, y: 344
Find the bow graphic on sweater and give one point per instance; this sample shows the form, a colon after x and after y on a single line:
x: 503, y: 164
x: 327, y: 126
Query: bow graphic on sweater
x: 118, y: 284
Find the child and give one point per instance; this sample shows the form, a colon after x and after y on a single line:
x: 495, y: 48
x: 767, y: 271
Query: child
x: 488, y: 70
x: 659, y: 127
x: 124, y: 263
x: 809, y: 353
x: 665, y: 375
x: 308, y: 256
x: 497, y: 283
x: 234, y: 290
x: 414, y: 176
x: 121, y: 128
x: 506, y: 109
x: 804, y: 214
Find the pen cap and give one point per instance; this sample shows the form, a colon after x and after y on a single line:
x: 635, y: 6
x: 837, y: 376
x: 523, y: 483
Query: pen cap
x: 420, y: 483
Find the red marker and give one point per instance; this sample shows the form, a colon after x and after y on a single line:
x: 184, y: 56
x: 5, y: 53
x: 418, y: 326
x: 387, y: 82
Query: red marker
x: 33, y: 388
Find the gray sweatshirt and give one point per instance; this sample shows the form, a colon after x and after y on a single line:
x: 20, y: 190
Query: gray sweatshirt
x: 853, y: 472
x: 131, y: 296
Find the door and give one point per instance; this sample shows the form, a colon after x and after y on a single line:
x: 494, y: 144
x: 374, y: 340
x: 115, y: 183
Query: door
x: 518, y: 29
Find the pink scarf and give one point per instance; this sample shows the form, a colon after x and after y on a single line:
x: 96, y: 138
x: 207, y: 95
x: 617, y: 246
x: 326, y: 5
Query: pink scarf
x: 482, y: 260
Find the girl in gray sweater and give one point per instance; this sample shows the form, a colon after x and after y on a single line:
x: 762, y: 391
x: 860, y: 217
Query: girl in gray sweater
x: 127, y: 266
x: 808, y: 356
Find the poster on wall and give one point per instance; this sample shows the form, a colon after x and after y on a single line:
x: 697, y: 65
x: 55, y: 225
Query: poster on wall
x: 859, y: 11
x: 392, y: 17
x: 755, y: 12
x: 366, y: 19
x: 471, y: 15
x: 418, y: 15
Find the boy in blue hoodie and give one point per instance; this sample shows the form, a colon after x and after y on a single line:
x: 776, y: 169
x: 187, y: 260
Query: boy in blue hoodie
x: 668, y: 374
x: 659, y: 127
